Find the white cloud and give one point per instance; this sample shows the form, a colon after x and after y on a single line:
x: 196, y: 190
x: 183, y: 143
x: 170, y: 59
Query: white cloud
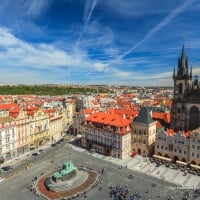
x: 38, y: 55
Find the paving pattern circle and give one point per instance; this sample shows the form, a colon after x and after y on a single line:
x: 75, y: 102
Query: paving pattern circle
x: 86, y: 179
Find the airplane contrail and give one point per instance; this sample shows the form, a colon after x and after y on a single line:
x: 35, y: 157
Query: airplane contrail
x: 159, y: 26
x: 86, y: 22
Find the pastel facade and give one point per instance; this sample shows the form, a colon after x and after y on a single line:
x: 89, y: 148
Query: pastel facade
x: 8, y: 137
x: 39, y: 127
x: 108, y: 134
x: 55, y: 126
x: 173, y: 145
x: 23, y: 132
x: 195, y: 147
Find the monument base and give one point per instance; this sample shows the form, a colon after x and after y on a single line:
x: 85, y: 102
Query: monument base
x: 76, y: 179
x: 64, y: 177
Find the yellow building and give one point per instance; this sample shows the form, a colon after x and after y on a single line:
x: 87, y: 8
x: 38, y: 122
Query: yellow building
x: 39, y: 128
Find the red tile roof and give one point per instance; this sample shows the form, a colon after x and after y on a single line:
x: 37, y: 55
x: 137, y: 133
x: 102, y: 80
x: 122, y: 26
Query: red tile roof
x: 170, y: 132
x: 158, y: 125
x: 108, y: 119
x: 161, y: 115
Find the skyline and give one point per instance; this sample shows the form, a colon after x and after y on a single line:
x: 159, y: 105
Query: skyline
x: 113, y: 42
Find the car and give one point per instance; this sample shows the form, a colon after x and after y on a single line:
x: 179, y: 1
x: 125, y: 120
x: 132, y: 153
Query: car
x: 36, y: 153
x: 41, y: 151
x: 7, y: 168
x: 2, y: 179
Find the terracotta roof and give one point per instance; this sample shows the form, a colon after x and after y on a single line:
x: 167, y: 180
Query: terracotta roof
x: 187, y: 134
x: 8, y: 106
x: 87, y: 111
x: 170, y: 132
x: 127, y: 112
x: 158, y: 125
x: 108, y: 119
x: 162, y: 115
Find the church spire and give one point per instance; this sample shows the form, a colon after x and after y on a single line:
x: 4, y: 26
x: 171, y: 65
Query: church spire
x: 182, y: 64
x: 174, y: 73
x: 191, y: 73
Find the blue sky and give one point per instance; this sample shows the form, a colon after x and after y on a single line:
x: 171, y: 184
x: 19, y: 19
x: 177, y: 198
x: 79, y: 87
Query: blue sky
x: 114, y: 42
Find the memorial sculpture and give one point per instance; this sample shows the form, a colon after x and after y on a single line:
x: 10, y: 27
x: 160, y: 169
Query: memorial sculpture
x: 67, y: 172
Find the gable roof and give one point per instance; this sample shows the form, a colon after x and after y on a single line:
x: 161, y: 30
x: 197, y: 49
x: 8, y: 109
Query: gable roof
x: 144, y: 116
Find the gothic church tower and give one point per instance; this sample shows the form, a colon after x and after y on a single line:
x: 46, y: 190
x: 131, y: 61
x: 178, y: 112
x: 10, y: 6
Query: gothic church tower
x: 185, y: 111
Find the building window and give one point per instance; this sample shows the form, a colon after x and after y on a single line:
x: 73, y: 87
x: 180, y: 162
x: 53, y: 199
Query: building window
x: 193, y: 154
x: 179, y: 151
x: 184, y: 152
x: 175, y: 150
x: 198, y: 147
x: 157, y: 146
x: 193, y: 146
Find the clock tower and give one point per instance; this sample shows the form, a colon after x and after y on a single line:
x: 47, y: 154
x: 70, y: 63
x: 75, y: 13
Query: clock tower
x: 185, y: 111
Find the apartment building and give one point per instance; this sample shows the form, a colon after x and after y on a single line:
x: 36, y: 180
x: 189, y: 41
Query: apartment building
x: 173, y: 145
x: 195, y: 147
x: 55, y: 125
x: 23, y: 131
x: 8, y: 136
x: 108, y: 134
x: 39, y: 127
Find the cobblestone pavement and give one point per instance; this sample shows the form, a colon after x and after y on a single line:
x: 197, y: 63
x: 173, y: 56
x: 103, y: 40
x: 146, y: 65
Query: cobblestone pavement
x: 141, y: 164
x: 145, y: 174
